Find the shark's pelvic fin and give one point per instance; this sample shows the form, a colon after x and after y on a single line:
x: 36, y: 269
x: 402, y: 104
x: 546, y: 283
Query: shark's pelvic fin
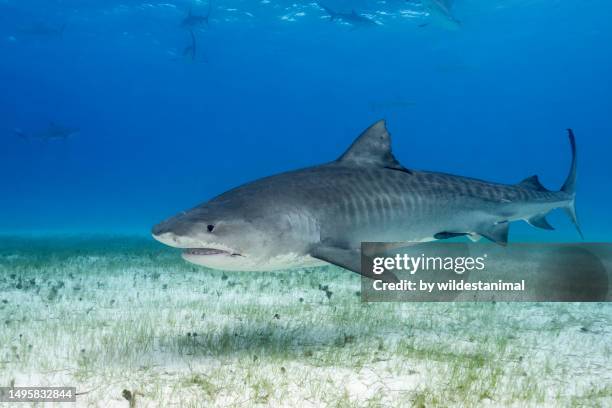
x: 373, y: 148
x: 532, y: 183
x: 497, y: 233
x: 540, y: 222
x: 348, y: 259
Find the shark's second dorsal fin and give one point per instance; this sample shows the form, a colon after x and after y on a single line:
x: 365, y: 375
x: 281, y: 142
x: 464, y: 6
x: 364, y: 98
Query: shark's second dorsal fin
x: 532, y: 183
x: 373, y: 148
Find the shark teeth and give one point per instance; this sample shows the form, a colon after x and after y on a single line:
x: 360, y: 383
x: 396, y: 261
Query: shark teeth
x: 204, y: 251
x: 209, y: 251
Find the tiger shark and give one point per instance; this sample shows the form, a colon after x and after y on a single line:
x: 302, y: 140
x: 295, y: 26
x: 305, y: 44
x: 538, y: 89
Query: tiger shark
x: 193, y: 20
x: 321, y: 214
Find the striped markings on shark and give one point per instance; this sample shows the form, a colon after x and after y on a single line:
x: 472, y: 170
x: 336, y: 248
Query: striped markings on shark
x: 322, y: 214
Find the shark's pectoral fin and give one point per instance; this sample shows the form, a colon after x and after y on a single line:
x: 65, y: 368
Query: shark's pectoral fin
x: 373, y: 148
x: 540, y: 222
x: 348, y: 259
x: 497, y: 233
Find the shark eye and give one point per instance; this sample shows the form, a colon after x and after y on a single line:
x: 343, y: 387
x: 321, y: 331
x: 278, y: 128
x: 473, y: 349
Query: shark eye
x: 210, y: 227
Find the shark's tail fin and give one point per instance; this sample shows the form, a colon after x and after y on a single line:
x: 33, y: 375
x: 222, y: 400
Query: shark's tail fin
x: 191, y: 50
x: 209, y: 10
x: 569, y: 187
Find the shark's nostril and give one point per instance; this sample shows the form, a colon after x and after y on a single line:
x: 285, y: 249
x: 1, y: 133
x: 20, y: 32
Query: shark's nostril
x: 159, y: 229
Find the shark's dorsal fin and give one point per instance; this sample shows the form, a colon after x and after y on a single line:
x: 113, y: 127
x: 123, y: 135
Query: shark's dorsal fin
x: 372, y: 148
x: 532, y: 183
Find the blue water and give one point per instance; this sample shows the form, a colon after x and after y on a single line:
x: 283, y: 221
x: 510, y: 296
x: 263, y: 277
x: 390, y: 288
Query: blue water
x: 273, y: 89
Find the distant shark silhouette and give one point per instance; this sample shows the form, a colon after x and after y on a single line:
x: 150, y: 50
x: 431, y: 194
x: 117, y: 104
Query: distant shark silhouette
x: 445, y: 8
x: 42, y: 29
x: 352, y: 18
x: 442, y: 11
x: 53, y: 131
x: 191, y: 50
x: 193, y: 20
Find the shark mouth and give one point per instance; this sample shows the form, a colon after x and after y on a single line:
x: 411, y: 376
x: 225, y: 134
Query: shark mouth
x: 208, y: 252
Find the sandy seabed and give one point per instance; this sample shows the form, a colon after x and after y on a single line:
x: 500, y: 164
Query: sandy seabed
x: 124, y: 318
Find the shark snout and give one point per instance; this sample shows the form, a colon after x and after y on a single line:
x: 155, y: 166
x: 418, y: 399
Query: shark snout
x: 162, y: 232
x: 171, y: 239
x: 171, y: 233
x: 160, y: 229
x: 176, y: 241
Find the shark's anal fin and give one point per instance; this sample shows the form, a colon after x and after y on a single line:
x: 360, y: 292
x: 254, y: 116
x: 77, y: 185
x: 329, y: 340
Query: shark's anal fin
x: 532, y: 183
x: 497, y: 233
x: 372, y: 148
x: 348, y: 259
x: 540, y: 221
